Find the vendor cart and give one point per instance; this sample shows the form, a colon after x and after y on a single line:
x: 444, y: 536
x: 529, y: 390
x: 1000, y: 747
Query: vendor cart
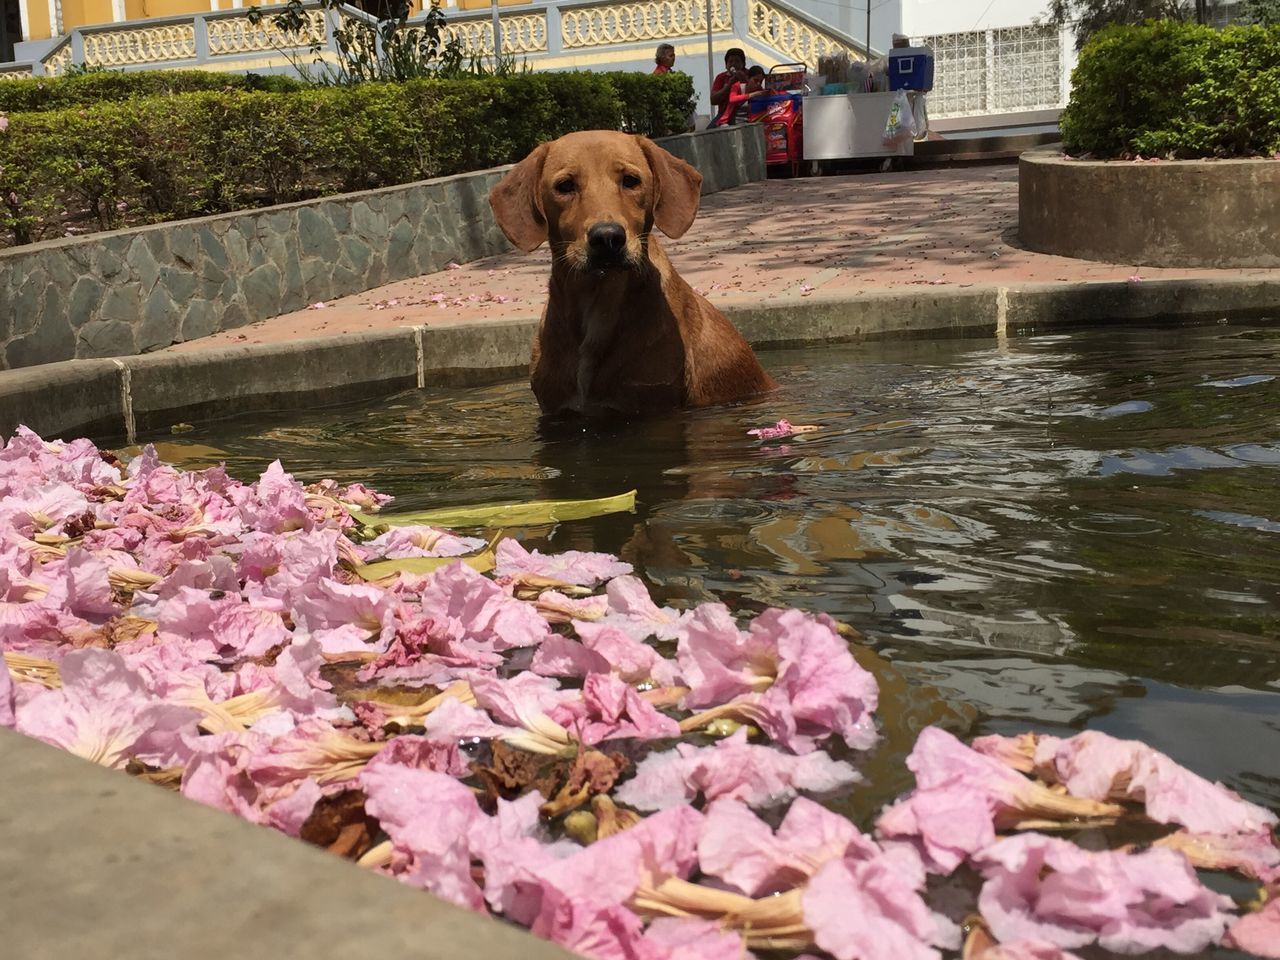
x: 847, y: 126
x: 781, y: 113
x: 848, y: 121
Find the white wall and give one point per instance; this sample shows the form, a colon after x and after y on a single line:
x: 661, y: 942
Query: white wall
x: 920, y: 18
x: 926, y: 17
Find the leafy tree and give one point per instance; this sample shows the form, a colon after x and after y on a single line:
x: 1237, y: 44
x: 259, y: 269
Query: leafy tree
x: 1263, y: 12
x: 1090, y: 16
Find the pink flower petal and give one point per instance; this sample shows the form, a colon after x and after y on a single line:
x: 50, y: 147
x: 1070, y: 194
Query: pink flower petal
x: 1095, y: 765
x: 482, y: 611
x: 571, y: 566
x: 740, y: 849
x: 1049, y: 889
x: 104, y: 713
x: 759, y: 776
x: 630, y: 659
x: 429, y: 817
x: 872, y: 910
x: 611, y: 709
x: 1258, y: 933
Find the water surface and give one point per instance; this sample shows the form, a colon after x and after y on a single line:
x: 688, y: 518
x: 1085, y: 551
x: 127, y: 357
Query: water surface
x: 1055, y: 532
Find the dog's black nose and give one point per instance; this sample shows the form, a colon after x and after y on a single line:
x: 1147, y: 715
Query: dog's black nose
x: 607, y: 239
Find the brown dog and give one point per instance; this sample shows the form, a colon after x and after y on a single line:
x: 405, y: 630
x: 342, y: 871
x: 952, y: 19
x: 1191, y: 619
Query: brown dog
x: 621, y: 332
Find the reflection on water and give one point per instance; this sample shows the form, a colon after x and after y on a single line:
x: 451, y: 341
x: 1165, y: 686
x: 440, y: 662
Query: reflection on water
x: 1058, y: 531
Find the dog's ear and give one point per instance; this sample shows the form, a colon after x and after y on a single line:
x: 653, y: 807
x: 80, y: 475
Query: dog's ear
x: 516, y: 205
x: 678, y: 191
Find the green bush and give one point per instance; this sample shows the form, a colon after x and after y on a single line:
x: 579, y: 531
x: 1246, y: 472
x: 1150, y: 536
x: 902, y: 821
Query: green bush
x: 156, y: 158
x: 27, y: 94
x: 653, y: 102
x: 1176, y: 90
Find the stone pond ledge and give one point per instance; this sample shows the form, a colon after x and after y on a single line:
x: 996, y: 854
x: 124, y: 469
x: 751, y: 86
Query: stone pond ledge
x: 127, y: 292
x: 119, y: 398
x: 98, y: 866
x: 1183, y: 213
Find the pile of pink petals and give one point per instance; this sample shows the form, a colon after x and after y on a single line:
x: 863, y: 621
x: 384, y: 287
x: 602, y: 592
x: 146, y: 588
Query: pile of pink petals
x: 181, y: 625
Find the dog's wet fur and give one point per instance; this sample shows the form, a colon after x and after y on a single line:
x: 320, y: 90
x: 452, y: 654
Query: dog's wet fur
x: 622, y: 332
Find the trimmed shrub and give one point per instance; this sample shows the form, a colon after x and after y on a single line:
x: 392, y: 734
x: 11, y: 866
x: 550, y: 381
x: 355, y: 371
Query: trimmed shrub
x: 1176, y: 90
x: 26, y: 94
x: 653, y: 102
x: 156, y: 158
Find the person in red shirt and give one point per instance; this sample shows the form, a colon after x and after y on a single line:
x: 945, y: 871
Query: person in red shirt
x: 735, y: 71
x: 736, y: 109
x: 665, y: 58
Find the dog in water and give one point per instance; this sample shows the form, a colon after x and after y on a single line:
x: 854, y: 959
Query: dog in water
x: 622, y: 333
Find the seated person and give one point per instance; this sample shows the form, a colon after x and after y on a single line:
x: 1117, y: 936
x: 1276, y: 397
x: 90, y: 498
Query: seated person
x: 735, y: 107
x: 735, y: 71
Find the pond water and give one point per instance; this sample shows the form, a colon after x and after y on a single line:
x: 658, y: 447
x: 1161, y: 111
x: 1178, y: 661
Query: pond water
x: 1050, y: 533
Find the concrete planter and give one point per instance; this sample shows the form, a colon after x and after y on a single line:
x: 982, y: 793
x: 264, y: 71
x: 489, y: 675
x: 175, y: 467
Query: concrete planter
x: 127, y: 292
x: 1184, y: 213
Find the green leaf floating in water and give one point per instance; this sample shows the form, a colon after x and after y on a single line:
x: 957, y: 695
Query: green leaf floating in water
x: 382, y: 569
x: 530, y: 514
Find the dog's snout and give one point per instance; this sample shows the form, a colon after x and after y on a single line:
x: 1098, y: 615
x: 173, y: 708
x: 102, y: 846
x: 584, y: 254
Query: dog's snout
x: 607, y: 239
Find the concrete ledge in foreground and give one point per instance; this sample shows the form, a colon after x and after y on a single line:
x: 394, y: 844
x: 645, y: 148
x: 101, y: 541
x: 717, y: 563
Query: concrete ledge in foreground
x: 121, y: 397
x: 97, y: 866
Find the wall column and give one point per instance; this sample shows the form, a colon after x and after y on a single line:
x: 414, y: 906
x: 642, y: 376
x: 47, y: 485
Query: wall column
x: 55, y: 18
x: 555, y: 38
x: 117, y: 11
x: 25, y: 17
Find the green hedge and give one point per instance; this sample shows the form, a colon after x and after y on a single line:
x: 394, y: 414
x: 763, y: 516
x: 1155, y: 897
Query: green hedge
x: 120, y: 163
x: 55, y: 93
x: 1176, y: 90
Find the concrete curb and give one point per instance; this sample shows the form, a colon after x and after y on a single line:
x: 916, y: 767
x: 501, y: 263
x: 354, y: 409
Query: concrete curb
x: 1181, y: 213
x: 121, y: 397
x: 99, y: 866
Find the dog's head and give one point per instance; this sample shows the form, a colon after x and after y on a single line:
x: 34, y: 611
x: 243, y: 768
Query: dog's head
x: 595, y: 196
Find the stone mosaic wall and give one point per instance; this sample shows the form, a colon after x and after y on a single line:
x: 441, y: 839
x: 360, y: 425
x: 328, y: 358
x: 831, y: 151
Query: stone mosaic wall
x: 133, y: 291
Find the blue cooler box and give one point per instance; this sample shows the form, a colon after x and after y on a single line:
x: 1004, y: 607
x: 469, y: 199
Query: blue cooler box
x: 911, y: 68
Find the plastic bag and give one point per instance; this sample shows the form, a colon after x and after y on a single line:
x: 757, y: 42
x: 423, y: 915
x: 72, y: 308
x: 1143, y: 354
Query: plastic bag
x: 901, y: 123
x: 920, y: 114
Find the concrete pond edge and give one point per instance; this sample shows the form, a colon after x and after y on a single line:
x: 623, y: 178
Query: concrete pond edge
x: 124, y: 397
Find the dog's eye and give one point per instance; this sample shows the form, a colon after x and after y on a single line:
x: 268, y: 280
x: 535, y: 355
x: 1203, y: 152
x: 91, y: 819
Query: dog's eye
x: 630, y: 181
x: 565, y: 185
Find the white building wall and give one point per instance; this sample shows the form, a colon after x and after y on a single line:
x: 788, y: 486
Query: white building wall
x: 990, y: 56
x: 920, y: 17
x: 928, y: 17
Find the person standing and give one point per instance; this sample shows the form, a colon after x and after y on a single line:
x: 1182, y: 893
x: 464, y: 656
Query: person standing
x: 665, y: 58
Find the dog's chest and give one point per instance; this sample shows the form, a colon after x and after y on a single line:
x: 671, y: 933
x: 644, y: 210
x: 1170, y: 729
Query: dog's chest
x: 599, y: 328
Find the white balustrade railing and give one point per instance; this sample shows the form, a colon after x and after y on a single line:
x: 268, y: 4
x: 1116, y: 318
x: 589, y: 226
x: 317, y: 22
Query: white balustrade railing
x: 139, y: 45
x: 233, y: 35
x: 609, y: 23
x: 57, y: 60
x: 474, y: 36
x: 795, y: 36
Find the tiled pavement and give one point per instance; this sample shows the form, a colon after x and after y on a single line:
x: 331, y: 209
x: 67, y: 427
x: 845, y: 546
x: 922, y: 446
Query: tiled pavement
x: 758, y: 242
